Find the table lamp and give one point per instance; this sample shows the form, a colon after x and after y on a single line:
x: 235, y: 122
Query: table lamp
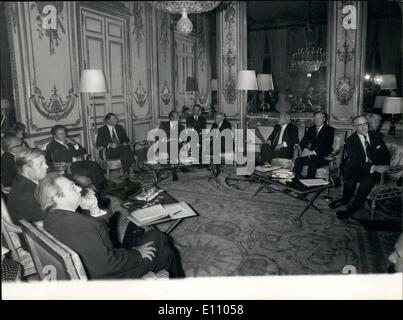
x: 264, y: 83
x: 387, y: 82
x: 393, y: 105
x: 93, y: 81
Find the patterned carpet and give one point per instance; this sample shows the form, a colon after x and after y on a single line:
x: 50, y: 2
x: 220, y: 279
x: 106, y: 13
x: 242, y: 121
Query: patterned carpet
x: 235, y: 234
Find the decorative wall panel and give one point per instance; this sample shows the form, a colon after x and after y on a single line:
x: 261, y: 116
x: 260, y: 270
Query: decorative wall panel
x: 203, y: 61
x: 346, y: 63
x: 44, y: 97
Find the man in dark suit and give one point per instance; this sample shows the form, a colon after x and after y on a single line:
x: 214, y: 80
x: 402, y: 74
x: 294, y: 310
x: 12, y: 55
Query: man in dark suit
x: 281, y: 141
x: 197, y: 122
x: 221, y: 124
x: 90, y: 238
x: 31, y: 167
x: 367, y: 158
x: 64, y: 149
x: 113, y: 138
x: 10, y: 145
x: 319, y: 142
x: 175, y: 127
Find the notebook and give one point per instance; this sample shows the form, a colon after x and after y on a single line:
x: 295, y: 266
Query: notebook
x: 314, y: 182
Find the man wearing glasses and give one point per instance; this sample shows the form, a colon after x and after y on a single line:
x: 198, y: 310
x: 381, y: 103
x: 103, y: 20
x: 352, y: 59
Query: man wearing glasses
x: 367, y: 158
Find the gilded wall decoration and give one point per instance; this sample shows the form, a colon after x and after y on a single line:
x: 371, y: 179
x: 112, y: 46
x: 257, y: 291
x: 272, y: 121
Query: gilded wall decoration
x: 140, y: 95
x: 202, y: 97
x: 13, y: 16
x: 229, y: 85
x: 52, y: 34
x: 166, y: 94
x: 164, y: 34
x: 345, y: 87
x: 201, y: 55
x: 138, y: 26
x: 54, y: 109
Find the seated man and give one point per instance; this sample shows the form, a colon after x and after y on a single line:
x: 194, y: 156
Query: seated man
x: 281, y: 141
x: 10, y: 144
x: 89, y: 237
x: 64, y: 149
x: 196, y: 121
x: 31, y: 168
x: 113, y: 138
x: 319, y: 142
x: 220, y: 123
x: 175, y: 126
x: 367, y: 157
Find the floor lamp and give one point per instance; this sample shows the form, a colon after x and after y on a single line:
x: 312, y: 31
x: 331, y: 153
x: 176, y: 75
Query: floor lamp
x: 93, y: 81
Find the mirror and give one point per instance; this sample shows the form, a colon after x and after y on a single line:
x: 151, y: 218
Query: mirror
x: 288, y: 39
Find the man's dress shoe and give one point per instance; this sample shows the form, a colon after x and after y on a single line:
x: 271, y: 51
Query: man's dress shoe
x: 344, y: 214
x: 336, y: 203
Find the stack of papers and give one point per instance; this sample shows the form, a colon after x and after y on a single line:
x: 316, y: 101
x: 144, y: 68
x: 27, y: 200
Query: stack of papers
x: 314, y: 182
x: 282, y: 174
x: 266, y: 168
x: 154, y: 213
x: 149, y: 194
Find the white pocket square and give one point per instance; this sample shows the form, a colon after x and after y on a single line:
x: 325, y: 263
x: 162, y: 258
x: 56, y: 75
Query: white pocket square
x: 378, y: 147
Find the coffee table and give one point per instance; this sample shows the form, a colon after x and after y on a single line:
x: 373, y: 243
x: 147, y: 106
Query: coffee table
x: 158, y: 168
x: 295, y: 189
x: 162, y: 198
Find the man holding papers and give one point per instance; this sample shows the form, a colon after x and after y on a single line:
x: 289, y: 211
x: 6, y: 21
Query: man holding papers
x: 90, y: 237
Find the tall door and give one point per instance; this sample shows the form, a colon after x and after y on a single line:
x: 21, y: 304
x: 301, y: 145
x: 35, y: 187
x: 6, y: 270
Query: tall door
x: 104, y: 47
x: 184, y: 67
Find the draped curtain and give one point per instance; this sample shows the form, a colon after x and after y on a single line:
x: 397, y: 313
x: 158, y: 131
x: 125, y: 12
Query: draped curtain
x: 256, y: 46
x: 277, y: 43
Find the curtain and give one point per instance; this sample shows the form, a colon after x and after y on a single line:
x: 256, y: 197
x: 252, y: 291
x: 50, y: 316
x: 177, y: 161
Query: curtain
x: 256, y: 46
x: 277, y: 43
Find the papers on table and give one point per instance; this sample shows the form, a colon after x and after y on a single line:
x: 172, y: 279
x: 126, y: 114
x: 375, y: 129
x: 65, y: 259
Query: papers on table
x: 282, y: 174
x: 266, y: 168
x: 149, y: 194
x: 174, y: 211
x: 314, y: 182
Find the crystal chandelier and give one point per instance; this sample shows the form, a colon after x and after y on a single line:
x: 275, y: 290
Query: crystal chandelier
x: 311, y: 57
x: 184, y: 25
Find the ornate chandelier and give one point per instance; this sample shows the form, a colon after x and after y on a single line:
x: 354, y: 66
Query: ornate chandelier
x: 184, y: 25
x: 311, y: 57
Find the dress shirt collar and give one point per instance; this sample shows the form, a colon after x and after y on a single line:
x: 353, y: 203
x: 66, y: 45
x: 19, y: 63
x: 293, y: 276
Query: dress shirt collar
x: 61, y: 142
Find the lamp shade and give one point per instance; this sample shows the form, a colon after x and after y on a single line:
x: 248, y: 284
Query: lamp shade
x: 214, y: 85
x: 379, y: 100
x: 92, y: 81
x: 5, y: 104
x: 388, y: 81
x: 191, y: 84
x: 265, y: 82
x: 393, y: 105
x: 246, y: 80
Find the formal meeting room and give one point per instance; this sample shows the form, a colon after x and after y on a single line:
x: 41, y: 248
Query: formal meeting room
x: 200, y: 139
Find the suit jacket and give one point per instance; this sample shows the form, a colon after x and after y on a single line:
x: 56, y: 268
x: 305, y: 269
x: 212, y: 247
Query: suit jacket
x: 104, y: 136
x: 166, y: 126
x: 8, y: 169
x: 356, y: 155
x: 290, y: 135
x: 225, y: 125
x: 56, y: 152
x: 21, y: 202
x: 321, y: 144
x: 90, y: 239
x: 198, y: 125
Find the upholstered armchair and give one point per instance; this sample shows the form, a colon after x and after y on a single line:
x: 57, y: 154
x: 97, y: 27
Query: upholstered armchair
x: 390, y: 185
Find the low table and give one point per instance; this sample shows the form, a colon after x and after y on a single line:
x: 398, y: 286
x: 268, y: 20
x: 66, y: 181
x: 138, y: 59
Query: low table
x: 295, y: 189
x: 158, y: 168
x: 163, y: 198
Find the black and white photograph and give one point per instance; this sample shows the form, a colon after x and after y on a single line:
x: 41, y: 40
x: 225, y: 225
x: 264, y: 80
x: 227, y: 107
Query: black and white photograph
x: 201, y: 150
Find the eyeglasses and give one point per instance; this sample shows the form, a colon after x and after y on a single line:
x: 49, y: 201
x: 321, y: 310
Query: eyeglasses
x: 361, y: 125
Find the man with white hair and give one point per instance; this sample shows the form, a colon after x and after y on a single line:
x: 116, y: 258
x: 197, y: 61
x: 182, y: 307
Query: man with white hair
x: 281, y: 141
x: 90, y: 238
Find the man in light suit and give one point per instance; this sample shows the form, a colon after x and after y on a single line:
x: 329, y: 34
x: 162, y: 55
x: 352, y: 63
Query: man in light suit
x: 319, y: 142
x: 90, y: 237
x: 281, y: 141
x: 367, y: 158
x: 113, y: 138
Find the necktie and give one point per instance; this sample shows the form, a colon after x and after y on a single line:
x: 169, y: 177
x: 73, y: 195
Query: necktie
x: 275, y: 141
x: 196, y: 118
x: 368, y: 150
x: 317, y: 131
x: 114, y: 136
